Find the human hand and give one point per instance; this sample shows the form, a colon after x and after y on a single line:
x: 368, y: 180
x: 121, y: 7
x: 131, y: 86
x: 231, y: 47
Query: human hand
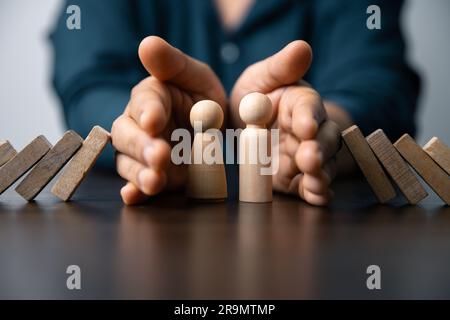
x: 158, y: 105
x: 309, y: 140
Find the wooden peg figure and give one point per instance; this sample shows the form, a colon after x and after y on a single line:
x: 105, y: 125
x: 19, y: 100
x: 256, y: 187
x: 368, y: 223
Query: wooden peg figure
x: 255, y: 182
x: 206, y: 173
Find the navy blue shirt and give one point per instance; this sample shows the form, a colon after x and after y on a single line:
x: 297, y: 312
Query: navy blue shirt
x: 362, y: 70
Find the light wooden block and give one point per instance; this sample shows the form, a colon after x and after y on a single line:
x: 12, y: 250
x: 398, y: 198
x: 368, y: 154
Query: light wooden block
x: 49, y: 166
x: 23, y: 161
x: 7, y: 152
x: 81, y: 163
x: 396, y: 167
x: 436, y: 178
x: 440, y: 153
x: 368, y: 163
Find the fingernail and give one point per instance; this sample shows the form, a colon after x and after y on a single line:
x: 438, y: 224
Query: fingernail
x: 148, y: 153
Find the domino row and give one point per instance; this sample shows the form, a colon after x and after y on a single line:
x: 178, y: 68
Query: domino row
x: 48, y: 160
x: 432, y: 163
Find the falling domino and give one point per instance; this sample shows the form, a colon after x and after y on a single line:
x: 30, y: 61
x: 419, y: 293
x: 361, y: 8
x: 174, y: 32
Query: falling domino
x: 368, y: 163
x: 424, y: 165
x: 7, y: 152
x: 23, y: 161
x: 440, y: 153
x: 81, y: 163
x: 396, y: 167
x: 49, y: 166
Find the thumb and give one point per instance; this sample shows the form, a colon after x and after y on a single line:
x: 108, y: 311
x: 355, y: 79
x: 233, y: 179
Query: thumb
x: 285, y: 67
x: 169, y: 64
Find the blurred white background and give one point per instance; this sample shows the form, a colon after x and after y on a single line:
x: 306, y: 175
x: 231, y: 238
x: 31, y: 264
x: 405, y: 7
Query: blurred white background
x: 28, y: 106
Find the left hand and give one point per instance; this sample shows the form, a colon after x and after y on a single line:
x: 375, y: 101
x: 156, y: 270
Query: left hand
x: 309, y: 140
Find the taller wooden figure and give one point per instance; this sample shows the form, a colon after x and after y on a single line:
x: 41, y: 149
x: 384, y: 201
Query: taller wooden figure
x: 206, y: 173
x: 255, y: 178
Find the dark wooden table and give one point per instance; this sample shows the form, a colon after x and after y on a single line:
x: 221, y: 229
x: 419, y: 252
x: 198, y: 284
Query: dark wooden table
x: 172, y: 248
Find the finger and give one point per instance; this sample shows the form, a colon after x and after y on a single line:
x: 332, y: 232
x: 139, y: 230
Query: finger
x: 150, y: 105
x: 167, y: 63
x: 286, y: 67
x: 301, y: 112
x: 131, y: 195
x: 320, y: 183
x: 129, y: 139
x: 290, y: 145
x: 317, y: 199
x: 309, y: 157
x: 287, y: 170
x: 313, y: 154
x: 296, y: 185
x: 329, y: 137
x: 148, y: 180
x: 311, y: 197
x: 283, y: 68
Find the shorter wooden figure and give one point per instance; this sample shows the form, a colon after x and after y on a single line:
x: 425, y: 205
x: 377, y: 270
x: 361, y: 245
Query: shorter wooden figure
x: 206, y: 173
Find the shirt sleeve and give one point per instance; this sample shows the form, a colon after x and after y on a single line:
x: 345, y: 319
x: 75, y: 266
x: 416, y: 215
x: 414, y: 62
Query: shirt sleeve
x: 362, y: 70
x: 96, y: 67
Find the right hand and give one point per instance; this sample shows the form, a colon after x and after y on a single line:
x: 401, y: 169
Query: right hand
x: 158, y: 105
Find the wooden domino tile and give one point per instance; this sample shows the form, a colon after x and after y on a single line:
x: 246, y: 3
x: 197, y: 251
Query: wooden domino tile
x: 440, y: 153
x: 369, y: 165
x: 81, y: 163
x: 7, y: 152
x: 396, y: 167
x: 23, y: 161
x: 436, y: 178
x: 49, y: 166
